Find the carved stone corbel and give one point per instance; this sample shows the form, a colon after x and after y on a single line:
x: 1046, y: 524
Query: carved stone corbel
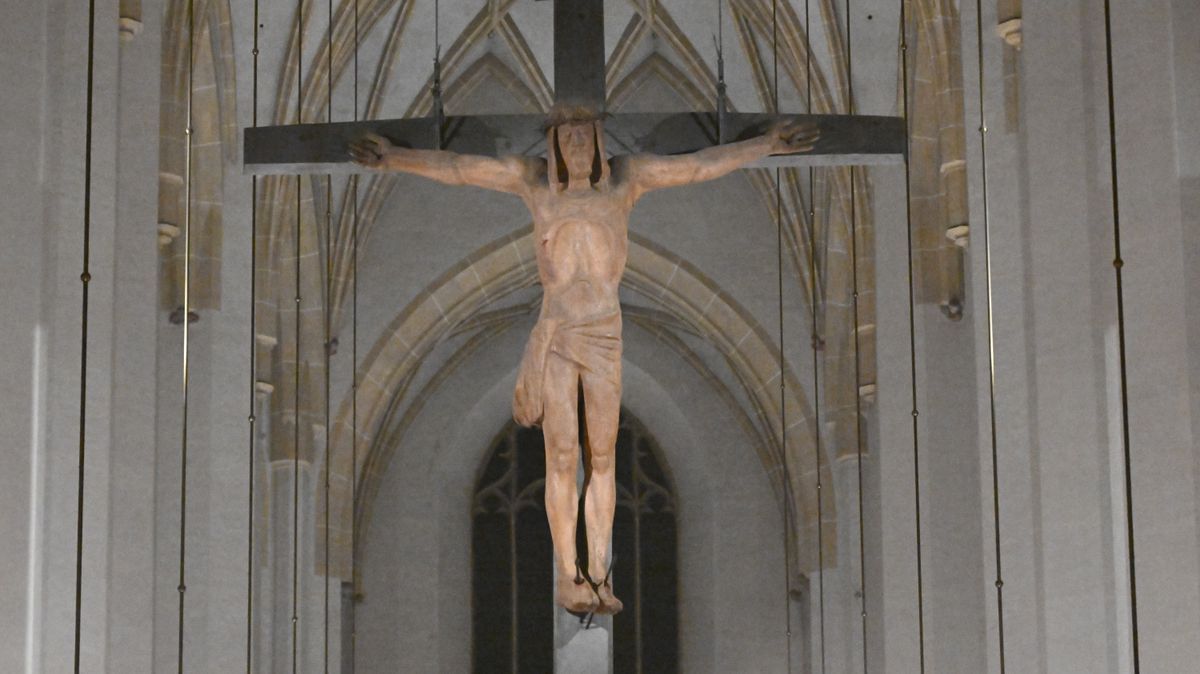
x: 1010, y: 32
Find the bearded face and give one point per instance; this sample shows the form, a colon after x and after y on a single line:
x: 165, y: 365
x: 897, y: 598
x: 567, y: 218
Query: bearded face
x: 577, y: 143
x: 576, y: 153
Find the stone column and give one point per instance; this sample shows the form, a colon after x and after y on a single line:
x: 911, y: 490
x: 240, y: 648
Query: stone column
x: 131, y: 488
x: 23, y: 334
x: 579, y: 648
x: 1152, y: 127
x: 1016, y: 406
x: 286, y: 530
x: 892, y: 427
x: 62, y: 113
x: 1058, y: 397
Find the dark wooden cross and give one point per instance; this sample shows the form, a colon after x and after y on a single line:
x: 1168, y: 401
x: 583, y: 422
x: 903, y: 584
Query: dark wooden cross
x: 579, y: 75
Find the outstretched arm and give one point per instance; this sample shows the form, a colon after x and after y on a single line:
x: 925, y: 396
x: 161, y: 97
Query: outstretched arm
x: 504, y: 174
x: 655, y: 172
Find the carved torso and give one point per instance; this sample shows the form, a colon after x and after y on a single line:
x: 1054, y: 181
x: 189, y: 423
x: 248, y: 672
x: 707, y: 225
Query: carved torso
x: 581, y: 240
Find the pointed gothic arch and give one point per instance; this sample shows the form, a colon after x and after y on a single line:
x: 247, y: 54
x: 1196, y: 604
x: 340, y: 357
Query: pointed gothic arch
x: 505, y: 266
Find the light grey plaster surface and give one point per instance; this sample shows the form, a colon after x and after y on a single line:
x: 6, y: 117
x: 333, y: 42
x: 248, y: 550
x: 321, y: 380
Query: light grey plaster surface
x: 23, y: 333
x: 728, y: 526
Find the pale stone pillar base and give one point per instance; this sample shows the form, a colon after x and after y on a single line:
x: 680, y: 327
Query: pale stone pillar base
x: 580, y: 648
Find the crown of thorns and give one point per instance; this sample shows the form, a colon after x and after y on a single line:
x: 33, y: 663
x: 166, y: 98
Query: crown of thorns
x: 568, y: 114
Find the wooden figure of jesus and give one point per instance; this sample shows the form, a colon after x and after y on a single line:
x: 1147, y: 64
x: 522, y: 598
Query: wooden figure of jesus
x: 580, y: 201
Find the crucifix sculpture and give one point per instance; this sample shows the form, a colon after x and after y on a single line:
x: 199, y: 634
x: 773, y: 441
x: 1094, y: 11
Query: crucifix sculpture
x: 580, y: 200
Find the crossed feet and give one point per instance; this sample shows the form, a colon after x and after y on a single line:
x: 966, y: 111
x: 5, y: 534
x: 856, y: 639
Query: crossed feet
x: 582, y: 595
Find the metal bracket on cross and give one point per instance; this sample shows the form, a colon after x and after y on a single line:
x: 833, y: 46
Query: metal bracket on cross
x: 578, y: 80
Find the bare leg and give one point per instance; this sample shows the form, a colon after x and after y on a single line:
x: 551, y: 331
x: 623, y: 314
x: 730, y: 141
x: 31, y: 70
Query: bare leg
x: 602, y: 410
x: 560, y: 427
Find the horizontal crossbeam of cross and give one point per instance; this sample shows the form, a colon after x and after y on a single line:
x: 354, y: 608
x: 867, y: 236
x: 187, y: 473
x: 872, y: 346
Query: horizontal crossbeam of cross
x: 323, y: 148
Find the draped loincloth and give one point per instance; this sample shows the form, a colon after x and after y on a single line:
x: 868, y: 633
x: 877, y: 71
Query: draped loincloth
x: 593, y: 345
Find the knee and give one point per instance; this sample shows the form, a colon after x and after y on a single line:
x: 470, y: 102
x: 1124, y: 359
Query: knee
x: 602, y: 462
x: 561, y: 457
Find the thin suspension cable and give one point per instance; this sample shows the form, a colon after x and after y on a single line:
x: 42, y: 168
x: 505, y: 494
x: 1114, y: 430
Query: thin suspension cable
x: 787, y: 504
x: 328, y: 299
x: 912, y: 327
x: 722, y: 91
x: 439, y: 112
x: 187, y: 311
x: 787, y: 527
x: 858, y: 435
x: 296, y: 444
x: 815, y: 340
x: 296, y: 362
x: 720, y: 26
x: 987, y: 265
x: 85, y: 277
x: 1118, y: 266
x: 354, y: 377
x: 252, y: 417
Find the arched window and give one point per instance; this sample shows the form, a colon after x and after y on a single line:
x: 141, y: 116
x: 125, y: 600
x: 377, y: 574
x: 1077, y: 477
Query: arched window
x: 512, y: 557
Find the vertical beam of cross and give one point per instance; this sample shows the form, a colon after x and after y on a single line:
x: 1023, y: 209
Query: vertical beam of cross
x: 579, y: 70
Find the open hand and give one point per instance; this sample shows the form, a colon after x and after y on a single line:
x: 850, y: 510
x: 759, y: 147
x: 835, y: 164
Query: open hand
x: 793, y: 136
x: 371, y: 151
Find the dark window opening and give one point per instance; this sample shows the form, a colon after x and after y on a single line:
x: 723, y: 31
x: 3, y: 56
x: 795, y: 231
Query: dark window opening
x: 512, y: 557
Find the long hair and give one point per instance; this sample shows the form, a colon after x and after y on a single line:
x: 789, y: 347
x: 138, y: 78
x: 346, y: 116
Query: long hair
x: 556, y: 169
